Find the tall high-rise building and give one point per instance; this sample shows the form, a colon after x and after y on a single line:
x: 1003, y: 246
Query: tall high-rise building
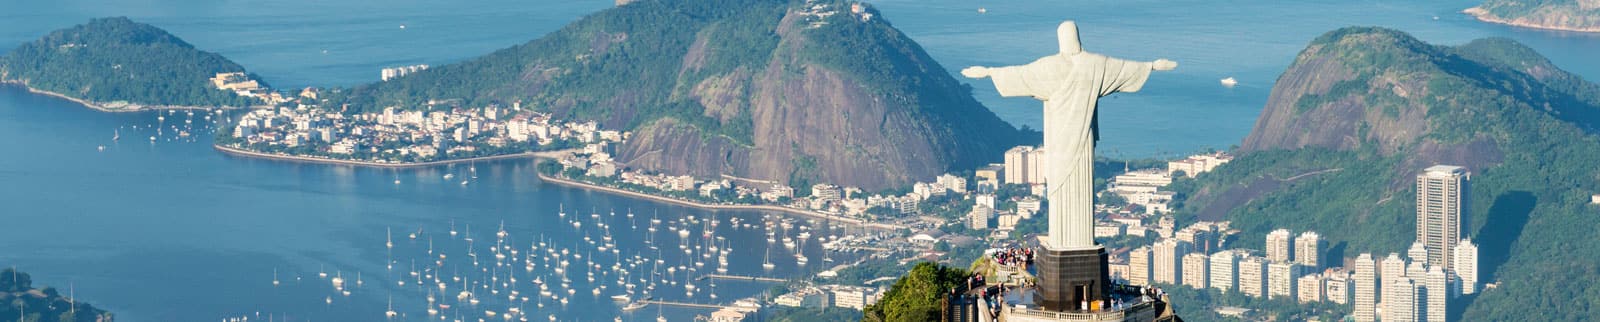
x: 1166, y: 262
x: 1197, y: 270
x: 1279, y: 248
x: 1281, y: 279
x: 1417, y: 252
x: 1402, y: 305
x: 978, y: 217
x: 1393, y: 273
x: 1336, y: 287
x: 1035, y: 166
x: 1440, y: 190
x: 1198, y: 239
x: 1252, y: 276
x: 1017, y: 164
x: 1417, y: 271
x: 1308, y: 250
x: 1224, y: 270
x: 1309, y: 288
x: 1466, y: 266
x: 1438, y: 285
x: 1364, y: 304
x: 1139, y: 266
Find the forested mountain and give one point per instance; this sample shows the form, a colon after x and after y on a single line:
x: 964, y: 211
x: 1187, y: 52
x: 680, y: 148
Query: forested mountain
x: 117, y: 59
x: 789, y: 91
x: 1363, y: 110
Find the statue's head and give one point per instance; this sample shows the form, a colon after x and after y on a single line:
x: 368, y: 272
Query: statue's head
x: 1067, y: 34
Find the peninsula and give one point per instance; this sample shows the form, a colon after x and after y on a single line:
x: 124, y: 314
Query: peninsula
x: 1564, y: 15
x: 117, y: 65
x: 42, y: 304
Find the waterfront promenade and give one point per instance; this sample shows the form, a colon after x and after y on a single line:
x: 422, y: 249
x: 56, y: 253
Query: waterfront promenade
x: 571, y: 183
x: 114, y: 107
x: 395, y: 165
x: 799, y: 212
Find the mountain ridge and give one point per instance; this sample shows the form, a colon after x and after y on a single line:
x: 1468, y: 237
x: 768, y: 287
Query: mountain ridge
x: 787, y: 91
x: 1362, y: 110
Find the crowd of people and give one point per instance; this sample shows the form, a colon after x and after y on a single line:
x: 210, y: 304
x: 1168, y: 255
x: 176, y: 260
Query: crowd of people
x: 1014, y: 256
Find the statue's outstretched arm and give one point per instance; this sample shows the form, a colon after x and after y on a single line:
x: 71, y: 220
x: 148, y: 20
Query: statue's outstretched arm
x: 1160, y: 64
x: 975, y: 72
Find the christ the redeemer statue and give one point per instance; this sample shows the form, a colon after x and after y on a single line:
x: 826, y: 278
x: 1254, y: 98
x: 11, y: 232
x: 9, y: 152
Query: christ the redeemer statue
x: 1070, y: 83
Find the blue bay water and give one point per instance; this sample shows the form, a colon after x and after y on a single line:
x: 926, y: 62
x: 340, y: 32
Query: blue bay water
x: 173, y: 231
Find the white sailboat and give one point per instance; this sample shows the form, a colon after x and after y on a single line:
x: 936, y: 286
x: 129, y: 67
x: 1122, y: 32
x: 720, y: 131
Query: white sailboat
x: 766, y: 263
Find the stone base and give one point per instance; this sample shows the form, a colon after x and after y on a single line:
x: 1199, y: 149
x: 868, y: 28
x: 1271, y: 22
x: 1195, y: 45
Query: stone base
x: 1070, y: 277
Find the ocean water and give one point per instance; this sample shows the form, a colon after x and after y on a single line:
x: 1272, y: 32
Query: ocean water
x: 173, y: 231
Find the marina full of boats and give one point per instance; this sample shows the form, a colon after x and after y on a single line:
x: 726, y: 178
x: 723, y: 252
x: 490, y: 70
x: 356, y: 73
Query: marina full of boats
x: 618, y: 264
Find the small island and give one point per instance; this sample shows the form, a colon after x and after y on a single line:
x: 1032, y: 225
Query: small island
x: 118, y: 65
x: 1564, y: 15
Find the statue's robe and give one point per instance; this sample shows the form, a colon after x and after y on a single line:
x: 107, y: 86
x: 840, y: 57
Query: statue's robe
x: 1070, y: 86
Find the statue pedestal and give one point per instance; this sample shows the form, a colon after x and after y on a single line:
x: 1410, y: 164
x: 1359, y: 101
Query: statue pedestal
x: 1069, y: 277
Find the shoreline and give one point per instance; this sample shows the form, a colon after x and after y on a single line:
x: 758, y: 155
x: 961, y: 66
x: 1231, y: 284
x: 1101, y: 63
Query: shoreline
x: 318, y: 160
x: 237, y: 152
x: 714, y: 207
x: 108, y: 107
x: 1485, y: 16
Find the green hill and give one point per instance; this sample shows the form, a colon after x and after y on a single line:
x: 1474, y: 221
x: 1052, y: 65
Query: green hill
x: 22, y: 302
x: 1361, y: 112
x: 118, y: 60
x: 1570, y: 15
x: 795, y: 91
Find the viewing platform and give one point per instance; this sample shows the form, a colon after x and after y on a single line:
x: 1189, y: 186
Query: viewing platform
x: 1017, y: 304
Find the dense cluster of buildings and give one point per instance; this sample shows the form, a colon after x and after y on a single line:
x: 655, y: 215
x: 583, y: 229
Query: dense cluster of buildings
x: 1194, y: 165
x: 1416, y: 286
x: 1437, y: 268
x: 393, y: 72
x: 845, y: 296
x: 240, y: 83
x: 409, y: 135
x: 824, y: 198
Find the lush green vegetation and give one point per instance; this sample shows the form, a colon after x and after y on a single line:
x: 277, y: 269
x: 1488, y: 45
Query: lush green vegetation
x: 632, y: 66
x: 623, y: 66
x: 23, y: 302
x: 917, y: 295
x: 1525, y: 129
x: 116, y: 59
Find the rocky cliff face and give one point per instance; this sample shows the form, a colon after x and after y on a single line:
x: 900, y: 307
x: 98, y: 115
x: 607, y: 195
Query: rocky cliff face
x: 808, y: 122
x: 786, y: 91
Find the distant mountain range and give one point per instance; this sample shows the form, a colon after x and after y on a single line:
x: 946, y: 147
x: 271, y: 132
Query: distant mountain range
x: 1362, y: 110
x: 117, y: 60
x: 1569, y: 15
x: 795, y: 92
